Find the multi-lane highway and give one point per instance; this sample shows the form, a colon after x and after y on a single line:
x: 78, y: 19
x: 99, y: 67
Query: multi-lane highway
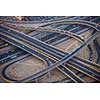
x: 30, y: 45
x: 24, y: 37
x: 39, y: 55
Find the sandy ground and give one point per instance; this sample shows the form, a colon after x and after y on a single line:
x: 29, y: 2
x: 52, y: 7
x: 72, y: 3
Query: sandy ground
x: 70, y: 45
x: 26, y: 68
x: 52, y: 76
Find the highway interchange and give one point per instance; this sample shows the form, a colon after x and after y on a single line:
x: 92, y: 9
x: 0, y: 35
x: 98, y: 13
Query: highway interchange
x: 43, y: 47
